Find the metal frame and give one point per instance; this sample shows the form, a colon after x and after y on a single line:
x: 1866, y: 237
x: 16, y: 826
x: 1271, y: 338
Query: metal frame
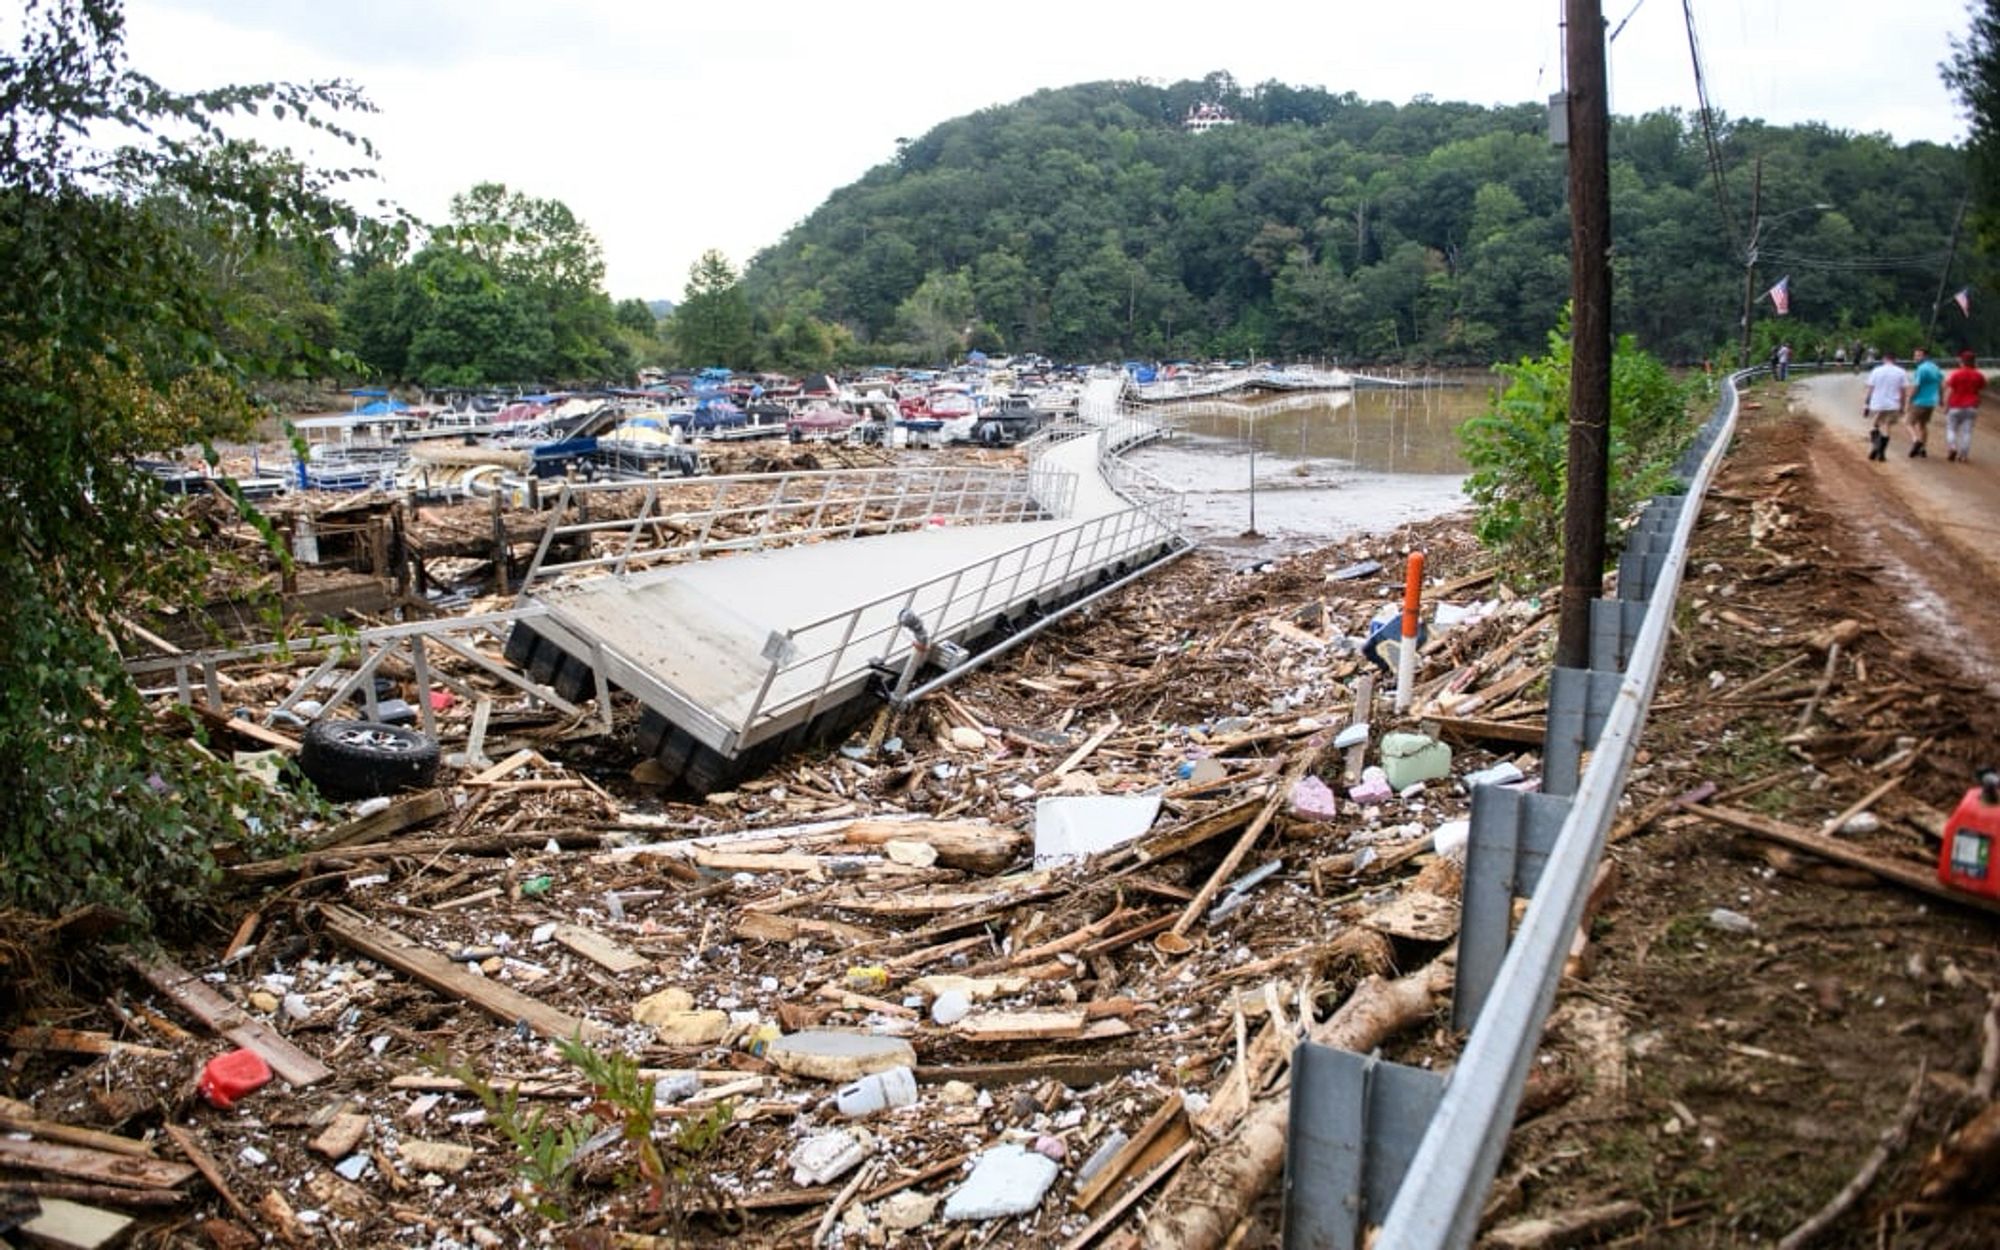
x: 358, y: 655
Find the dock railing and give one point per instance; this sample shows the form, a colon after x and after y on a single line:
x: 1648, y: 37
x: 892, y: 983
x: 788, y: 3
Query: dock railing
x: 673, y: 519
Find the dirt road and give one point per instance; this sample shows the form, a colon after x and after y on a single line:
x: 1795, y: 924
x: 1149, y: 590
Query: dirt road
x: 1930, y: 526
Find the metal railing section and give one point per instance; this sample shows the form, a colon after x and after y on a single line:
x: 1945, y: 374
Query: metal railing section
x: 689, y: 518
x: 348, y: 662
x: 1445, y: 1184
x: 809, y: 660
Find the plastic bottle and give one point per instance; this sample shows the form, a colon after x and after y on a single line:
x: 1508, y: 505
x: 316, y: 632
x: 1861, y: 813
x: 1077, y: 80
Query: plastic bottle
x: 896, y: 1087
x: 867, y: 977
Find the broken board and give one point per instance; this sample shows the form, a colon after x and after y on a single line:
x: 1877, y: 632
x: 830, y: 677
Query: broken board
x: 386, y: 946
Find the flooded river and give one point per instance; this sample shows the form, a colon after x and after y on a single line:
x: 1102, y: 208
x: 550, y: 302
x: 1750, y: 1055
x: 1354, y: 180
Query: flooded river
x: 1324, y: 466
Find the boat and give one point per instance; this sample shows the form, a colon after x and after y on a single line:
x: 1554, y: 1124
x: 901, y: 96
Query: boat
x: 359, y: 451
x: 646, y: 446
x: 819, y: 422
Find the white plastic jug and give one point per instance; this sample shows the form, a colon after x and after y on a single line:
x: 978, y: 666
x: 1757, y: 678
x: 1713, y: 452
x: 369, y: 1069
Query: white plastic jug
x: 896, y: 1087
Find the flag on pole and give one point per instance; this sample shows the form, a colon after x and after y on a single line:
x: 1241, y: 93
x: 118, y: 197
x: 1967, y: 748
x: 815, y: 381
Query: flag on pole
x: 1781, y: 295
x: 1964, y: 300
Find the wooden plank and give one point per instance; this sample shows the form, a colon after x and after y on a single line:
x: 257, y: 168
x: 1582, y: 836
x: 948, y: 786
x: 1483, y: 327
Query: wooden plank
x: 249, y: 731
x: 1122, y: 1162
x: 599, y: 949
x: 1906, y: 875
x: 100, y: 1166
x: 198, y: 999
x: 386, y: 946
x: 1072, y: 1072
x: 505, y: 768
x: 1472, y: 729
x: 79, y: 1042
x: 206, y: 1166
x: 398, y: 816
x: 751, y: 861
x: 756, y: 926
x: 65, y: 1225
x: 70, y: 1135
x: 1116, y: 1211
x: 1022, y: 1026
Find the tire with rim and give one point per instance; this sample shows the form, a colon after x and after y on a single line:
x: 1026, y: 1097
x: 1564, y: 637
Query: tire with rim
x: 358, y: 759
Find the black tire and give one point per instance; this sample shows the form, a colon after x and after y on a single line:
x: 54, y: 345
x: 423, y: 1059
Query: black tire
x: 359, y: 759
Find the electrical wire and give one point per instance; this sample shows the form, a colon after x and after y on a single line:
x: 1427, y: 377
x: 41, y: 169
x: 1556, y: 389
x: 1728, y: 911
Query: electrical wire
x: 1618, y: 29
x: 1709, y: 140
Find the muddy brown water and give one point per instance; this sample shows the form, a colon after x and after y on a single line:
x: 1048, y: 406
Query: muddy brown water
x: 1324, y: 466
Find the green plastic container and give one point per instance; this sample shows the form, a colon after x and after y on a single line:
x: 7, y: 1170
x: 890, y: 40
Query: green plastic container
x: 1410, y: 758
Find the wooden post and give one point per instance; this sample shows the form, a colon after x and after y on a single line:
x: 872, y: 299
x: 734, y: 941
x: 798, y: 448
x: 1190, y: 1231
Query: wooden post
x: 1587, y: 486
x: 499, y: 548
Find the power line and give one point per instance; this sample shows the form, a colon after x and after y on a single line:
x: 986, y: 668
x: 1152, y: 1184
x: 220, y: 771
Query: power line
x: 1710, y: 142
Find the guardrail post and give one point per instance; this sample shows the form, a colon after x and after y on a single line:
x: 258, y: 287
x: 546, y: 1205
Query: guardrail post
x: 1356, y: 1123
x: 1506, y: 849
x: 1579, y: 701
x: 1614, y: 627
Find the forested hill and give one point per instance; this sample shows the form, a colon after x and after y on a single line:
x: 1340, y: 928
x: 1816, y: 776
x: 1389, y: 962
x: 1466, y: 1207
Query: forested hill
x: 1087, y: 222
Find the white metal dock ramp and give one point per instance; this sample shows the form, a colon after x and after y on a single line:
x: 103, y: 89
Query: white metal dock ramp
x: 736, y: 657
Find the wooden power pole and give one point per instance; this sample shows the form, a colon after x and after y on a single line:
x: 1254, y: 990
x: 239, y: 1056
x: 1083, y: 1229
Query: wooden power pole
x: 1587, y: 489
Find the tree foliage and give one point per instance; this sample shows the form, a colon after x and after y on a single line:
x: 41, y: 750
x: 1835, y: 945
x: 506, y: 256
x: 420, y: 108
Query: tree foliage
x: 1089, y: 224
x: 712, y: 324
x: 135, y: 318
x: 1519, y: 450
x: 1974, y: 73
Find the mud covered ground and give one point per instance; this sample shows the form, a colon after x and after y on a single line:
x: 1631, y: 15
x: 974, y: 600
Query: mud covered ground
x: 1733, y: 1082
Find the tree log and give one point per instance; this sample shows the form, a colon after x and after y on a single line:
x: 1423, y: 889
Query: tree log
x: 980, y: 848
x: 1215, y: 1196
x: 1564, y: 1228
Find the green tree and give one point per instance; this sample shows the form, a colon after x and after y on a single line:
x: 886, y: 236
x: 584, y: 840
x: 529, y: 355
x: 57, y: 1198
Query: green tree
x: 1519, y: 450
x: 1974, y: 73
x: 115, y: 342
x: 712, y: 323
x: 938, y: 316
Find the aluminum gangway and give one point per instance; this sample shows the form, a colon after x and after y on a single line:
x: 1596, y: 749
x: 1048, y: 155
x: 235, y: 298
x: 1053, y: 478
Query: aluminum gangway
x: 736, y: 659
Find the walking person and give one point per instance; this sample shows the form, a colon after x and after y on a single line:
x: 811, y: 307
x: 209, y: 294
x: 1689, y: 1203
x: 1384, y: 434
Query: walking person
x: 1782, y: 361
x: 1887, y: 396
x: 1961, y: 404
x: 1926, y: 384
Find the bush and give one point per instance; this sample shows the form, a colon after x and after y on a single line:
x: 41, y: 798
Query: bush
x: 1519, y: 451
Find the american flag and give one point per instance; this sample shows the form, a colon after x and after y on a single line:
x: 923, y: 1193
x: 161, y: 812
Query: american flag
x: 1781, y: 295
x: 1964, y: 300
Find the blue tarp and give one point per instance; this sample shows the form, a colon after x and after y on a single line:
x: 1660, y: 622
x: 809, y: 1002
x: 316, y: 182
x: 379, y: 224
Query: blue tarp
x: 381, y: 408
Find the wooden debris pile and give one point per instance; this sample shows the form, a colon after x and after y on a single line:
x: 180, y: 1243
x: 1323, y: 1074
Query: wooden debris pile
x: 1102, y: 1017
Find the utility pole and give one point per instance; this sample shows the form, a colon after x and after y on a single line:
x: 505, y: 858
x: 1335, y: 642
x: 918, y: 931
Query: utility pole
x: 1944, y: 279
x: 1750, y: 258
x: 1587, y: 486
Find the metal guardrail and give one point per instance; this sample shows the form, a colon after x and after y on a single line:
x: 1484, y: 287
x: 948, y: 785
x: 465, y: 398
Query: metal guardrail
x: 687, y: 519
x: 1600, y: 710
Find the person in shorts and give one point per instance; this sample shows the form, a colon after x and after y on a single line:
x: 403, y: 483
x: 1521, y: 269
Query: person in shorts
x: 1888, y: 391
x: 1926, y: 385
x: 1961, y: 404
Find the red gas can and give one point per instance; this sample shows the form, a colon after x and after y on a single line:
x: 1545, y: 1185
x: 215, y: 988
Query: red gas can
x: 1965, y: 861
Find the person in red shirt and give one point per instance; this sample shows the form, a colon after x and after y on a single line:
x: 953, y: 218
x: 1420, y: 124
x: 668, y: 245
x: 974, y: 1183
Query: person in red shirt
x: 1961, y: 404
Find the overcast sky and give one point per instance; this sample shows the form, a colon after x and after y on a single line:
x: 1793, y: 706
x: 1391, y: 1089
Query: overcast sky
x: 672, y: 128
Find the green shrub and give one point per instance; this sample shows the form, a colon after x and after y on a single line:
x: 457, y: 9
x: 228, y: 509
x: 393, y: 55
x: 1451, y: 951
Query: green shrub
x: 1519, y: 450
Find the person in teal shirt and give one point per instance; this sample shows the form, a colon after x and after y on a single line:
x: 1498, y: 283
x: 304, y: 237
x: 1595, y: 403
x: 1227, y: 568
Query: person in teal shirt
x: 1926, y: 384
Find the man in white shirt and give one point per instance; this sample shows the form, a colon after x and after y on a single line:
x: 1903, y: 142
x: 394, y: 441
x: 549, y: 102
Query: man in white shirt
x: 1888, y: 395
